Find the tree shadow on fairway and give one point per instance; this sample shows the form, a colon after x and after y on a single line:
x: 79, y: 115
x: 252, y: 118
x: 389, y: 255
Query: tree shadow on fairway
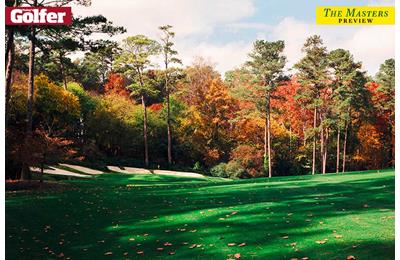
x: 281, y: 219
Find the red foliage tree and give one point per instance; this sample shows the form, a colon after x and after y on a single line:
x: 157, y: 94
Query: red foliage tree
x: 116, y: 84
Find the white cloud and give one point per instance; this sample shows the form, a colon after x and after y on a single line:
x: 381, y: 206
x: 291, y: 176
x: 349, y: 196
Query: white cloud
x: 224, y: 56
x: 255, y: 26
x: 381, y: 2
x: 195, y: 17
x: 370, y: 44
x: 195, y: 21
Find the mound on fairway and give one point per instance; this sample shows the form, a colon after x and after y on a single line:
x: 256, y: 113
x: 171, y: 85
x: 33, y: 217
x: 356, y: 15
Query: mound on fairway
x: 116, y: 216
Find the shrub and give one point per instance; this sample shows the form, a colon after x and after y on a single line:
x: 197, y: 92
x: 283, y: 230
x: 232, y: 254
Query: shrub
x: 219, y: 170
x: 234, y: 170
x: 197, y: 167
x: 250, y: 158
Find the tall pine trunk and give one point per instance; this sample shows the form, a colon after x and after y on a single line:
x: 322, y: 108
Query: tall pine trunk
x: 322, y: 141
x: 31, y: 79
x: 62, y: 70
x: 265, y: 141
x: 29, y: 117
x: 9, y: 70
x: 325, y: 152
x: 290, y: 141
x: 314, y: 141
x: 146, y: 148
x: 324, y: 145
x: 169, y: 132
x: 393, y: 150
x: 338, y: 150
x: 268, y: 135
x: 345, y: 146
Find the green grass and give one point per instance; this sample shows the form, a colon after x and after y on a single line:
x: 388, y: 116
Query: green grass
x: 281, y: 218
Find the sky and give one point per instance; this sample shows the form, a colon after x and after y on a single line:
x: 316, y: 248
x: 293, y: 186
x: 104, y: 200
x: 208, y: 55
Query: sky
x: 223, y: 31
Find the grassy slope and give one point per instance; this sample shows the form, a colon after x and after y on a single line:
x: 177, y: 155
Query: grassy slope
x: 105, y: 215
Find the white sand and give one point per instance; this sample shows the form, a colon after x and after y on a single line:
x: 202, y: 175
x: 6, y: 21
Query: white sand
x: 56, y: 171
x: 82, y: 169
x: 131, y: 170
x: 128, y: 170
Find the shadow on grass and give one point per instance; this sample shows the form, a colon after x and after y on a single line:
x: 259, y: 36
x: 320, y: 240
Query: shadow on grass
x: 321, y: 217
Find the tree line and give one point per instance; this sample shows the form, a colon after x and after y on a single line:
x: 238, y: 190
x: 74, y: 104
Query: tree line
x: 114, y: 106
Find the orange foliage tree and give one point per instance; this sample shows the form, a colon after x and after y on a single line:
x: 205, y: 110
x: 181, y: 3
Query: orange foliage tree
x: 116, y: 84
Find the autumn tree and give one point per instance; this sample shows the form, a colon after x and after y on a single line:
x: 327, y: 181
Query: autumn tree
x: 368, y: 154
x: 117, y: 84
x: 169, y: 57
x: 134, y: 60
x: 32, y: 50
x: 67, y: 38
x: 206, y: 121
x: 386, y: 90
x: 266, y: 64
x: 312, y: 75
x: 56, y: 115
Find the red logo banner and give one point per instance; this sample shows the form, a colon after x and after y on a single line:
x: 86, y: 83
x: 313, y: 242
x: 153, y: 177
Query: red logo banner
x: 38, y: 16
